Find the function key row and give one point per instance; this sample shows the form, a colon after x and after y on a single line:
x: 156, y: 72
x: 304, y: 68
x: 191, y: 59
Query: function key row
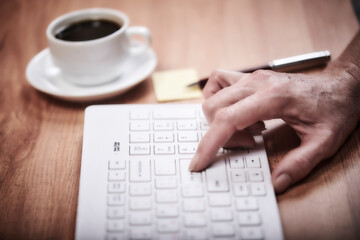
x: 168, y: 125
x: 169, y: 114
x: 163, y: 137
x: 162, y: 149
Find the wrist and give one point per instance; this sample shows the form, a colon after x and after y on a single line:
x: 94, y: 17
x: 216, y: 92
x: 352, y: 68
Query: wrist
x: 346, y: 76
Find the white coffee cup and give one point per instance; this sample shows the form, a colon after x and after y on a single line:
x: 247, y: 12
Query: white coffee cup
x: 95, y: 61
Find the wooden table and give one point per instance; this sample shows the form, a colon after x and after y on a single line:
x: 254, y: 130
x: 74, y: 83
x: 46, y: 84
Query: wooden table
x: 41, y: 137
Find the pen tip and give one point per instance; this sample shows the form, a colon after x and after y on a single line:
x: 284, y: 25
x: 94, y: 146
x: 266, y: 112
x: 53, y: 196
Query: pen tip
x: 192, y: 84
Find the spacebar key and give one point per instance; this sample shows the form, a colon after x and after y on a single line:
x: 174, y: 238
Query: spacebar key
x: 216, y: 177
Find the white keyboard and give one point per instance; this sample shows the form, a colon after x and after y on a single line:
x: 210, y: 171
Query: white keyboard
x: 135, y: 182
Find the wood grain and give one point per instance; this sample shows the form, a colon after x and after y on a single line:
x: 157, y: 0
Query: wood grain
x: 41, y: 137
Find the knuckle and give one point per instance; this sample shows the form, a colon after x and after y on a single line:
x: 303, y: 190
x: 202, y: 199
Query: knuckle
x: 279, y: 88
x: 262, y: 73
x: 224, y: 116
x: 208, y: 107
x: 215, y: 75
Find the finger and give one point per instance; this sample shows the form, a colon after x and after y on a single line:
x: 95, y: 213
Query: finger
x: 255, y: 108
x: 220, y: 79
x: 218, y: 134
x: 223, y: 98
x: 299, y: 162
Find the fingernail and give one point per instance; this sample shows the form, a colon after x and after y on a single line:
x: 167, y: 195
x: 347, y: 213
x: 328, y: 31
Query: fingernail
x: 282, y: 182
x: 192, y: 165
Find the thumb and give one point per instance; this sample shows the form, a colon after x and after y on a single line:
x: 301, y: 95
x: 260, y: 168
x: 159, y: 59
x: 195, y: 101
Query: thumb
x: 298, y: 163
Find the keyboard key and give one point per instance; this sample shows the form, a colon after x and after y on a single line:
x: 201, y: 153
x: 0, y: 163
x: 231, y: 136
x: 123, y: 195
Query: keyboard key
x: 258, y: 189
x: 223, y: 229
x: 194, y: 205
x: 186, y: 175
x: 167, y: 210
x: 249, y: 218
x: 142, y: 232
x: 116, y: 187
x: 139, y: 149
x: 115, y: 236
x: 166, y: 196
x: 166, y: 182
x: 240, y: 151
x: 237, y: 162
x: 140, y: 218
x: 174, y: 114
x: 216, y: 177
x: 139, y: 115
x: 204, y: 125
x: 240, y: 190
x: 221, y: 214
x: 168, y: 225
x: 115, y: 164
x: 251, y: 233
x: 164, y: 149
x: 256, y: 175
x: 140, y: 170
x: 116, y: 175
x: 115, y: 225
x: 116, y: 199
x: 140, y: 203
x: 165, y: 166
x: 163, y: 125
x: 196, y: 234
x: 187, y: 148
x: 194, y: 219
x: 253, y: 162
x: 139, y: 137
x: 139, y: 126
x: 140, y: 189
x: 186, y: 125
x: 201, y: 115
x: 238, y: 175
x: 188, y: 137
x: 115, y: 212
x: 161, y: 137
x: 245, y: 204
x: 192, y: 190
x: 167, y: 236
x: 219, y: 199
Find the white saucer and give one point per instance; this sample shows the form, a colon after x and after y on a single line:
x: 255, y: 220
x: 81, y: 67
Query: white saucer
x: 43, y: 75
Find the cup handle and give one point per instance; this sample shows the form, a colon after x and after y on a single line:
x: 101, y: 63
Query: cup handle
x: 135, y: 47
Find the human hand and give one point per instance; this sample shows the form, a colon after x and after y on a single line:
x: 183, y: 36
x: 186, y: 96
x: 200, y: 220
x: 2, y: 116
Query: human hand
x: 323, y: 109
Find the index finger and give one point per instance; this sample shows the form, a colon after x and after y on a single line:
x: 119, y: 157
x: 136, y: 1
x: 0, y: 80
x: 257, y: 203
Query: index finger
x: 219, y: 133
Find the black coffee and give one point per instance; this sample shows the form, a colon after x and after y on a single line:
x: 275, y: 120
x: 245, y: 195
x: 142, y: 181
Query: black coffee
x: 87, y: 30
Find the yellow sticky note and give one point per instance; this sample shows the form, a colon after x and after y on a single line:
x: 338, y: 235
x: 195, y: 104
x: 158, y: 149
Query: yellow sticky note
x: 172, y: 85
